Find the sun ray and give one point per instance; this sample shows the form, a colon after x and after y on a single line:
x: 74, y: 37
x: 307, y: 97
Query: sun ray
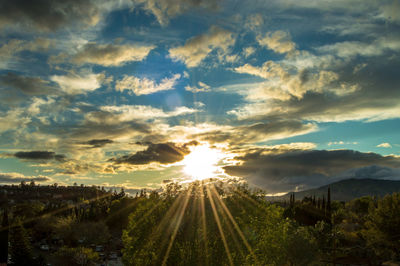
x: 203, y: 219
x: 239, y: 231
x: 177, y: 225
x: 225, y: 218
x: 217, y: 220
x: 68, y: 207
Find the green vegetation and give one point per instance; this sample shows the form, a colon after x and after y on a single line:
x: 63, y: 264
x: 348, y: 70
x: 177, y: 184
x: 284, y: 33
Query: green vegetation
x: 202, y: 223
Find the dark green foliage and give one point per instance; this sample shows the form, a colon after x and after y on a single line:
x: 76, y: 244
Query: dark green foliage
x: 383, y: 228
x: 20, y: 247
x: 200, y: 224
x: 4, y: 238
x: 66, y: 256
x: 170, y: 229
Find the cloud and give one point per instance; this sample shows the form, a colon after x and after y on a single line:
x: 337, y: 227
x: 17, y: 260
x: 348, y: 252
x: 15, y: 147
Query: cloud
x: 164, y: 10
x: 281, y: 171
x: 248, y: 51
x: 321, y: 89
x: 111, y: 114
x: 341, y: 142
x: 79, y: 83
x: 39, y: 155
x: 98, y: 143
x: 9, y: 51
x: 16, y: 45
x: 14, y: 178
x: 348, y: 49
x: 269, y: 69
x: 146, y: 86
x: 199, y: 47
x: 254, y: 22
x: 109, y: 54
x: 123, y: 123
x: 164, y: 153
x: 27, y: 85
x: 256, y: 132
x: 391, y: 11
x: 202, y: 87
x: 278, y: 41
x: 384, y: 145
x: 48, y: 15
x: 13, y: 119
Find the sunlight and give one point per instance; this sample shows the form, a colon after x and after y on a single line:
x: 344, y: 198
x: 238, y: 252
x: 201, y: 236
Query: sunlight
x: 201, y: 163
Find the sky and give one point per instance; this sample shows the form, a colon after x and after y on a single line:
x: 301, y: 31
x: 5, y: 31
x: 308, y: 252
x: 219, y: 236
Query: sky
x: 285, y: 95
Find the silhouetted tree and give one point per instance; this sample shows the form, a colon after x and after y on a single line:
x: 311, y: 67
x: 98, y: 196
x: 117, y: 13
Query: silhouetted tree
x: 4, y: 238
x: 20, y: 247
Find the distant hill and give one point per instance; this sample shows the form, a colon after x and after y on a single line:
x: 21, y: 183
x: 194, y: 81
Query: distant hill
x: 349, y: 189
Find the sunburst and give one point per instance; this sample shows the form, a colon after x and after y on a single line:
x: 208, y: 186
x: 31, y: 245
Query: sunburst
x: 202, y: 162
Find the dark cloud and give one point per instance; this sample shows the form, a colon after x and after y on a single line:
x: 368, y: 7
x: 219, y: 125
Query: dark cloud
x: 48, y: 15
x: 27, y: 85
x: 257, y: 132
x: 97, y: 143
x: 13, y: 178
x: 39, y: 155
x: 99, y: 125
x: 164, y: 153
x: 278, y: 171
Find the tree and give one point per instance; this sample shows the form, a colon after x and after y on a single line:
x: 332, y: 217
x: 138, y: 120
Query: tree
x: 4, y: 238
x: 213, y: 224
x: 20, y: 247
x: 383, y: 228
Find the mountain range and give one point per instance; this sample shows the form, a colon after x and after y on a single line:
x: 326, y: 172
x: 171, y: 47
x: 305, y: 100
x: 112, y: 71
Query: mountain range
x: 346, y: 190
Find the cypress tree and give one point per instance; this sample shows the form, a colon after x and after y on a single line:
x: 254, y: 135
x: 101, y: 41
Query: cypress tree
x: 328, y: 205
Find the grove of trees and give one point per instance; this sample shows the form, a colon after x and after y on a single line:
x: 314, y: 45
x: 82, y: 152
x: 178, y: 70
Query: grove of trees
x: 202, y: 223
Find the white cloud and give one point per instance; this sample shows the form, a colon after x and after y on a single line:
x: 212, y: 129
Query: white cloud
x: 384, y: 145
x: 13, y: 120
x: 125, y: 113
x: 248, y: 51
x: 341, y: 142
x: 198, y: 104
x: 269, y: 69
x: 278, y: 41
x: 355, y: 48
x: 146, y: 86
x: 79, y: 83
x: 110, y: 54
x: 197, y: 48
x: 202, y: 87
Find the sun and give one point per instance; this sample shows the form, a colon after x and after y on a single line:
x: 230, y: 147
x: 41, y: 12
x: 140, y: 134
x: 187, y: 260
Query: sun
x: 201, y: 163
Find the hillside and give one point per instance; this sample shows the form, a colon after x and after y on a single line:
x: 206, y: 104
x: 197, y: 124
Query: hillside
x: 349, y: 189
